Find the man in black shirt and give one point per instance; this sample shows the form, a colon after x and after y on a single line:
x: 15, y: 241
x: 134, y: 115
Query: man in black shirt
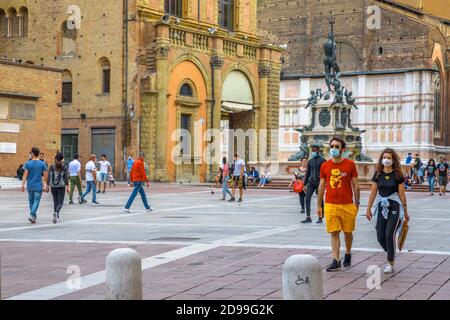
x: 312, y: 180
x: 443, y: 176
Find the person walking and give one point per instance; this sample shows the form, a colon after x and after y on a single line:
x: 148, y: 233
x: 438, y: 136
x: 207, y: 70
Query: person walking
x: 91, y: 180
x: 312, y: 180
x: 443, y: 176
x: 138, y: 177
x: 338, y: 175
x: 105, y: 170
x: 299, y: 178
x: 75, y: 178
x: 225, y: 179
x: 58, y: 181
x: 416, y: 166
x: 430, y: 174
x: 130, y: 162
x: 20, y: 171
x: 390, y: 207
x: 35, y: 176
x: 42, y: 158
x: 238, y: 178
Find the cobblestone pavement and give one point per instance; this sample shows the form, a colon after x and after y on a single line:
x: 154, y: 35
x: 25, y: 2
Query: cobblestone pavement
x: 194, y: 246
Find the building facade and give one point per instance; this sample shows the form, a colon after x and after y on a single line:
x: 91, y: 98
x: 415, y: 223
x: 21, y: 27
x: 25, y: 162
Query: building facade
x: 29, y: 114
x: 151, y: 75
x: 398, y: 72
x: 85, y: 39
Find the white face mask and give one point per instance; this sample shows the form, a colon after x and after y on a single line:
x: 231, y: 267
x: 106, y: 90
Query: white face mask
x: 386, y: 162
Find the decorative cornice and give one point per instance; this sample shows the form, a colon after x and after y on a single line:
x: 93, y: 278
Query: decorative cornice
x: 217, y: 62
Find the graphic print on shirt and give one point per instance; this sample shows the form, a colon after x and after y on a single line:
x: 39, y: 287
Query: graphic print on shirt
x: 335, y: 179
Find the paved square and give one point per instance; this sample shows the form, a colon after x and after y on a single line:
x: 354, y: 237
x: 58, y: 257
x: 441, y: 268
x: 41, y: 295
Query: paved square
x: 194, y: 246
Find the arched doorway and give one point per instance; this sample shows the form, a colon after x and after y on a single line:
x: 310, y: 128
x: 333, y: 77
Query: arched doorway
x: 238, y: 117
x: 187, y: 122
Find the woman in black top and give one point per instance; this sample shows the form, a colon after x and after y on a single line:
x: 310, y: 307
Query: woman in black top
x: 430, y: 173
x: 58, y: 180
x: 389, y: 191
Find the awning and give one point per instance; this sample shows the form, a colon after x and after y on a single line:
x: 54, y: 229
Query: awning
x: 235, y: 107
x: 236, y: 93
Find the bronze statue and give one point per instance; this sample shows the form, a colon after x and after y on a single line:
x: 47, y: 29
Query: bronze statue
x: 351, y: 102
x: 332, y: 70
x: 312, y: 101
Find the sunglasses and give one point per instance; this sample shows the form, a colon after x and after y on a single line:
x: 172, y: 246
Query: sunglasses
x: 335, y: 146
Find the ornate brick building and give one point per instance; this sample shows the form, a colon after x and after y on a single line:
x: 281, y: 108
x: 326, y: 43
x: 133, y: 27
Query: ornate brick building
x: 136, y: 73
x: 399, y: 72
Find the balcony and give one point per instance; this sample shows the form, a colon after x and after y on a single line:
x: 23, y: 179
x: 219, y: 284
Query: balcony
x: 220, y: 42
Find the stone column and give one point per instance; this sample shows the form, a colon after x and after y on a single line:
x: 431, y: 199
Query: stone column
x: 217, y: 63
x: 264, y: 72
x: 162, y: 67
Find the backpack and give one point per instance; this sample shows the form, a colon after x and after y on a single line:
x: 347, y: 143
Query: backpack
x: 57, y: 179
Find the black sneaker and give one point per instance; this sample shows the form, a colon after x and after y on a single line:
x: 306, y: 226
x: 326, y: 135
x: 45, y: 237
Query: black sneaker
x: 79, y: 200
x: 302, y: 211
x: 232, y: 199
x: 347, y: 260
x: 307, y: 220
x: 334, y: 266
x: 319, y: 220
x: 240, y: 200
x: 70, y: 202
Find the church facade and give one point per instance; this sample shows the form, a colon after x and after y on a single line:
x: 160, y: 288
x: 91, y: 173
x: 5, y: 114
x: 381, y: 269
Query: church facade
x: 398, y: 73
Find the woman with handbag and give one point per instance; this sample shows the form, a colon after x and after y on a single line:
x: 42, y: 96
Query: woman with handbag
x: 298, y: 182
x: 388, y: 200
x: 58, y: 180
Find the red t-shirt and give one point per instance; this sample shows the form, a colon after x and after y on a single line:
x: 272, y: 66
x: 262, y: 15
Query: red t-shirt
x: 338, y: 178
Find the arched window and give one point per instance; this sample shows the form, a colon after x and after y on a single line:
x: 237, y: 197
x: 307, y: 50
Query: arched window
x: 226, y: 14
x: 23, y: 22
x: 68, y: 39
x: 106, y: 75
x: 186, y: 90
x: 13, y: 26
x: 174, y: 7
x: 67, y: 87
x: 3, y: 24
x: 437, y: 102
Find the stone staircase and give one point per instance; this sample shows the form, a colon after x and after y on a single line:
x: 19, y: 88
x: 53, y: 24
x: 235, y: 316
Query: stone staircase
x: 9, y: 183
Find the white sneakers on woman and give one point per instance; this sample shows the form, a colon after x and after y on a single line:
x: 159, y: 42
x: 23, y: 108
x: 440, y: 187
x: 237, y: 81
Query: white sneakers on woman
x: 389, y: 268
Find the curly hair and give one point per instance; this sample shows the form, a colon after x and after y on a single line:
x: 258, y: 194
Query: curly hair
x: 396, y: 166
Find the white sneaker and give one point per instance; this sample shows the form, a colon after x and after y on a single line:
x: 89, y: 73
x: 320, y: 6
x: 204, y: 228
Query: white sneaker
x: 149, y: 209
x: 389, y: 268
x: 126, y: 210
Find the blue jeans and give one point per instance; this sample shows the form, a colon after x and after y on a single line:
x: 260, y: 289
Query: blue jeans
x: 34, y: 198
x: 138, y: 188
x: 225, y: 189
x: 431, y: 180
x: 90, y: 185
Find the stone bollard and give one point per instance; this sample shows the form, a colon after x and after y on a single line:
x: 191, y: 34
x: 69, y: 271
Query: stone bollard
x: 123, y: 275
x: 302, y: 278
